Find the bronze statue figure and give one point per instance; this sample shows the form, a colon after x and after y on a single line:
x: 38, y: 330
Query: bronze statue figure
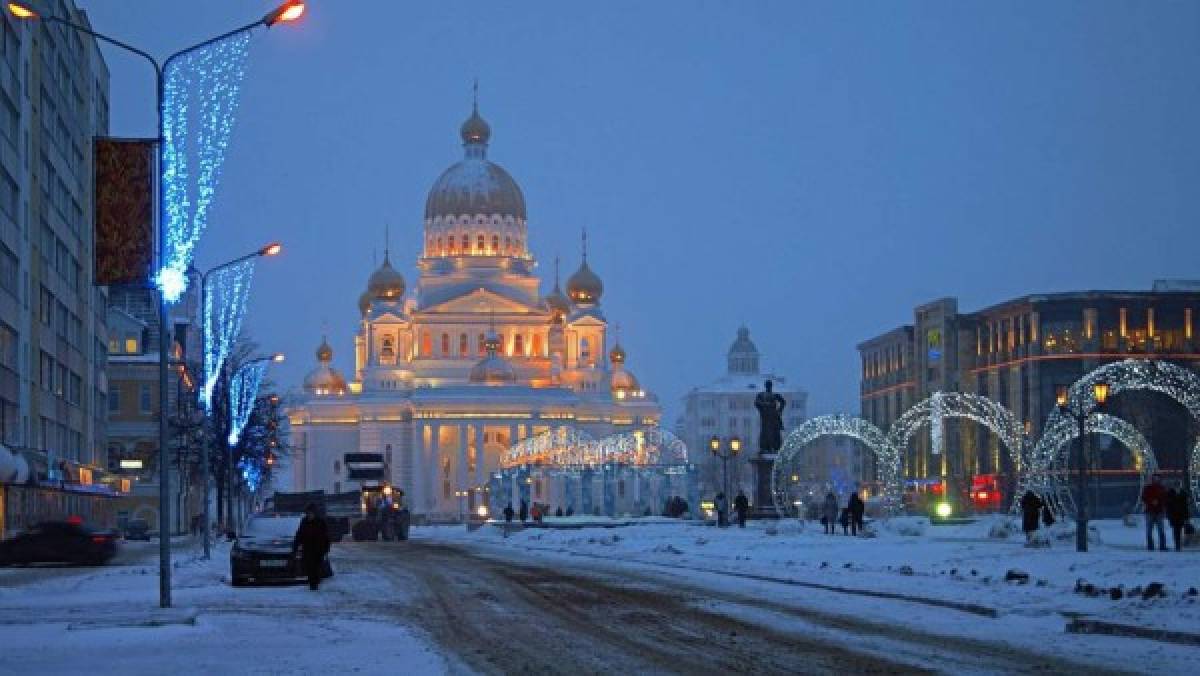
x: 770, y: 415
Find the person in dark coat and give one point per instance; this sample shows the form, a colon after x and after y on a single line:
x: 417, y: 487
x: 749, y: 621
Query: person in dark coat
x: 524, y: 513
x: 829, y: 513
x: 1154, y: 499
x: 741, y: 505
x: 722, y: 507
x: 312, y: 541
x: 1031, y: 514
x: 1177, y: 514
x: 857, y: 508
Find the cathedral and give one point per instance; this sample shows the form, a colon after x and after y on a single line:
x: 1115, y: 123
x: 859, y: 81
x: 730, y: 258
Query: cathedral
x: 448, y: 375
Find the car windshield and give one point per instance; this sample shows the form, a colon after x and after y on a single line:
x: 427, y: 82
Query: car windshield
x: 271, y: 526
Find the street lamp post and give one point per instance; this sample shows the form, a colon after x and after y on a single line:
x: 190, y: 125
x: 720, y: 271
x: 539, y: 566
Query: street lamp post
x: 288, y: 11
x: 268, y: 250
x: 734, y: 446
x: 1062, y: 398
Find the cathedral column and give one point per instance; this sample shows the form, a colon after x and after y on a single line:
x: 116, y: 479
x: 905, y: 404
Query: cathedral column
x: 481, y: 469
x: 434, y: 480
x: 461, y: 474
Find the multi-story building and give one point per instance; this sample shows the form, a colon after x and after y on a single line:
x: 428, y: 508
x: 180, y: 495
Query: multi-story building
x: 133, y: 404
x: 725, y: 409
x: 451, y: 374
x: 1016, y: 353
x: 53, y: 102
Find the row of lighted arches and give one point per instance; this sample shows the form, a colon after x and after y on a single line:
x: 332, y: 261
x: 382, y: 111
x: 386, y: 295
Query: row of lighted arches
x: 516, y: 346
x: 454, y: 246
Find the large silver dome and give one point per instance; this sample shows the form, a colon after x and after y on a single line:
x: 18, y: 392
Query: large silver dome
x: 475, y: 186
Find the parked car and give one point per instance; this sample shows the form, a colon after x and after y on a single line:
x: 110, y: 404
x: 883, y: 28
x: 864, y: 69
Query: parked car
x: 60, y: 542
x: 137, y: 529
x: 263, y: 550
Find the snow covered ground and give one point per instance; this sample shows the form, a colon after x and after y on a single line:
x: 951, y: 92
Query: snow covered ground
x: 959, y: 564
x: 107, y: 620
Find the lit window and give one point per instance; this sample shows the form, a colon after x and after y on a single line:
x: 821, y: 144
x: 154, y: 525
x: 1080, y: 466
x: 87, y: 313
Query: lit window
x: 463, y: 350
x: 481, y: 245
x: 495, y: 244
x: 426, y: 344
x: 445, y: 344
x: 131, y: 345
x: 519, y: 345
x: 466, y: 244
x: 537, y: 344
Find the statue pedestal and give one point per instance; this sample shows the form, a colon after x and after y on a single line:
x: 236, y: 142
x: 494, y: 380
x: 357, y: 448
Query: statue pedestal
x: 764, y: 503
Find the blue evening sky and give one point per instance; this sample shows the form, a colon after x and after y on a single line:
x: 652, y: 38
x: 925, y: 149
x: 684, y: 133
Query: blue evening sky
x: 813, y: 169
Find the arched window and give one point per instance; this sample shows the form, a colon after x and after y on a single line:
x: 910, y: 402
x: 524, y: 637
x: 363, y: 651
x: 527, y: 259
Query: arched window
x: 466, y: 244
x: 463, y: 350
x: 585, y: 350
x: 537, y: 344
x: 426, y: 344
x: 481, y: 245
x: 389, y: 348
x: 519, y: 345
x: 482, y: 344
x: 495, y: 244
x: 445, y: 344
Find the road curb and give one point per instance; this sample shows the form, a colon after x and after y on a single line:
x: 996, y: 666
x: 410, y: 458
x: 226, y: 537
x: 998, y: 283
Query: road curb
x: 185, y: 618
x: 1080, y: 625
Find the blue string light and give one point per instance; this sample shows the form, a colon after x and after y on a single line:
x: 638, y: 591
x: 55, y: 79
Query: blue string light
x: 243, y: 389
x: 224, y: 308
x: 217, y: 72
x: 252, y: 474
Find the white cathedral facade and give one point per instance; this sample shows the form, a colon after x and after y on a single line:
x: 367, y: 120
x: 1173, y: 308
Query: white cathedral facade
x: 450, y: 374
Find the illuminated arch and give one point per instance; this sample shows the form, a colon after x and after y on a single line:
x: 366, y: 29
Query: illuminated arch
x: 886, y: 454
x: 1164, y: 377
x: 982, y: 410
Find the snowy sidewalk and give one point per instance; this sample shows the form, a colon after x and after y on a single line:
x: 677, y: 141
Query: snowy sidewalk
x: 107, y: 620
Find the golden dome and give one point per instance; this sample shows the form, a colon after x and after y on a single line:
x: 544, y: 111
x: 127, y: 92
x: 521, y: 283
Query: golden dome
x: 617, y: 354
x: 324, y: 352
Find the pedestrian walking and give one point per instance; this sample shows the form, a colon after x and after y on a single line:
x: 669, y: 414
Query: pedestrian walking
x: 741, y: 505
x: 722, y: 506
x: 1154, y: 500
x: 829, y: 513
x: 1177, y: 514
x: 312, y: 541
x: 857, y: 508
x: 524, y: 513
x: 1031, y: 514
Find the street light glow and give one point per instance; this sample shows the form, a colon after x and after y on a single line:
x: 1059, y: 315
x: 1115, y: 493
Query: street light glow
x: 1100, y: 391
x: 1061, y: 396
x: 277, y: 357
x: 21, y: 10
x: 285, y: 13
x: 271, y: 249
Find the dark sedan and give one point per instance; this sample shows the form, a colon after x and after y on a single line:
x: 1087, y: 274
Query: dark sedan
x: 60, y: 542
x: 263, y: 551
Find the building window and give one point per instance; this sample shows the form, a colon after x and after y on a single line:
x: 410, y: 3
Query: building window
x: 466, y: 244
x: 495, y: 244
x: 131, y: 344
x: 445, y: 344
x: 389, y: 348
x: 482, y: 344
x: 585, y: 350
x: 463, y: 345
x: 114, y: 399
x: 481, y: 245
x: 508, y: 245
x: 426, y: 344
x: 519, y: 345
x: 144, y: 399
x: 537, y: 344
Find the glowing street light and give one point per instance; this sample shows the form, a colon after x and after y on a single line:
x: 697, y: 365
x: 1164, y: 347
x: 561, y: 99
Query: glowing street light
x: 285, y: 13
x: 22, y: 10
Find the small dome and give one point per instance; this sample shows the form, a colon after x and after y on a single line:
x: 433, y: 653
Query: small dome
x: 364, y: 302
x: 584, y: 287
x: 475, y: 129
x: 324, y: 380
x: 493, y: 369
x: 386, y: 283
x: 624, y: 380
x: 324, y: 352
x: 617, y: 354
x: 559, y: 304
x: 742, y: 344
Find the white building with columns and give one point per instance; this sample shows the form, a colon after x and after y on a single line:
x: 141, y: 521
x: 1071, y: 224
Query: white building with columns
x: 451, y: 373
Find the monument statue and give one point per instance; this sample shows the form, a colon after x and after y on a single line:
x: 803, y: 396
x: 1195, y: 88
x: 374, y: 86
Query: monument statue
x: 770, y: 416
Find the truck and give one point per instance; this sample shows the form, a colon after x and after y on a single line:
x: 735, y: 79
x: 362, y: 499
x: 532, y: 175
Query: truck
x: 340, y: 510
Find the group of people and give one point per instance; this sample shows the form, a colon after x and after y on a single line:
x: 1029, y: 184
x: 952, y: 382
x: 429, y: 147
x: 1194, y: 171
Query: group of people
x: 1159, y: 502
x: 741, y: 505
x: 850, y: 517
